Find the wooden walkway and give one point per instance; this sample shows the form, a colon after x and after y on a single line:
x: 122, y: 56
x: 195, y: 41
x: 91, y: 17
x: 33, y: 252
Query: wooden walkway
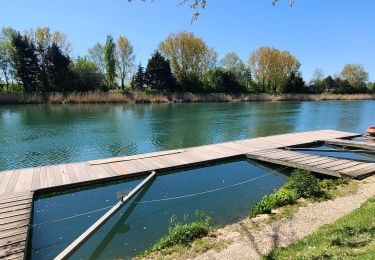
x: 17, y: 186
x: 15, y: 214
x: 74, y: 174
x: 351, y: 144
x: 316, y: 163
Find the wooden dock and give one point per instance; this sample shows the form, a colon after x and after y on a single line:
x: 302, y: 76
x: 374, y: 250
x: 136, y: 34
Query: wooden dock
x: 316, y: 163
x: 17, y: 186
x: 15, y: 214
x: 351, y: 144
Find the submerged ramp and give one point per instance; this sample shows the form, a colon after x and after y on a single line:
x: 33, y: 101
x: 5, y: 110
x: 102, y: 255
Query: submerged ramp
x: 315, y: 163
x: 351, y: 144
x: 15, y: 214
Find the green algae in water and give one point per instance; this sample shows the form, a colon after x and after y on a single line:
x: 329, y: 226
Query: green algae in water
x: 142, y: 222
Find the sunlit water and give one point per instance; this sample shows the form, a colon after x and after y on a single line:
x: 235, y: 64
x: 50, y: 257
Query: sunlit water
x: 34, y: 135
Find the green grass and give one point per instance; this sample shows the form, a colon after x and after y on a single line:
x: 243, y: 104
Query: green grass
x: 182, y: 234
x: 350, y: 237
x: 301, y: 184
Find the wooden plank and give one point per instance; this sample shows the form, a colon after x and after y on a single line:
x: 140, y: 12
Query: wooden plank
x: 15, y: 208
x: 317, y: 161
x: 11, y: 249
x: 357, y: 167
x: 26, y: 176
x: 370, y: 169
x: 14, y: 213
x: 35, y: 183
x: 118, y: 168
x: 71, y: 173
x: 15, y: 239
x: 15, y: 224
x: 330, y: 162
x: 64, y: 174
x: 16, y: 203
x: 15, y: 197
x: 4, y: 220
x: 43, y: 179
x: 12, y: 183
x: 57, y: 178
x: 305, y: 157
x: 5, y: 181
x: 293, y: 165
x: 343, y: 166
x: 134, y: 157
x: 108, y: 169
x: 351, y: 144
x: 16, y: 256
x: 80, y: 175
x: 8, y: 234
x: 50, y: 178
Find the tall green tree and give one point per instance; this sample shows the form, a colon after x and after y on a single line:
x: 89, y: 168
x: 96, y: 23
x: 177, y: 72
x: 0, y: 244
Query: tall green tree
x: 225, y: 81
x: 272, y: 68
x: 26, y: 64
x: 355, y: 74
x: 43, y: 38
x: 138, y: 80
x: 125, y: 59
x: 110, y: 61
x: 58, y: 69
x: 87, y: 75
x: 96, y: 54
x: 295, y: 83
x: 6, y: 50
x: 233, y: 63
x: 189, y: 55
x: 158, y: 74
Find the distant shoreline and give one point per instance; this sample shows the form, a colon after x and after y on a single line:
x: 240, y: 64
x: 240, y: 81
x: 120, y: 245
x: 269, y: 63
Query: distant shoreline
x: 138, y: 97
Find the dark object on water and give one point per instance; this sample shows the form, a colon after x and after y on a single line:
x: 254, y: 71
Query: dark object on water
x: 371, y: 131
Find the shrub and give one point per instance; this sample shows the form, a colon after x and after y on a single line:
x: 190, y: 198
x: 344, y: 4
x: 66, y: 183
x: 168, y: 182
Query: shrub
x: 301, y: 183
x: 329, y: 184
x: 183, y: 233
x: 305, y: 184
x: 280, y: 198
x: 265, y: 205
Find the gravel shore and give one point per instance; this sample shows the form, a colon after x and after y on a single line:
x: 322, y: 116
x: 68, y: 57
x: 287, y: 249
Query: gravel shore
x: 247, y: 242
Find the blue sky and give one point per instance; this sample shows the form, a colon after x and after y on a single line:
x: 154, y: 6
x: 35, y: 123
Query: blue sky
x: 320, y: 33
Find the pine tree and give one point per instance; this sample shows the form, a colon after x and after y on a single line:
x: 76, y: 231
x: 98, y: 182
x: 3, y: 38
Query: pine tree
x: 138, y: 79
x: 110, y: 61
x: 26, y: 64
x: 57, y: 69
x: 158, y: 74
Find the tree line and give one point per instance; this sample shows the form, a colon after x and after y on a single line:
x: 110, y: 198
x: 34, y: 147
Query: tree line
x: 41, y: 61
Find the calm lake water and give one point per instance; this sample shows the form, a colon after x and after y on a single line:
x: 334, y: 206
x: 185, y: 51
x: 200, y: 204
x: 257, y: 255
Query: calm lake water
x: 34, y: 135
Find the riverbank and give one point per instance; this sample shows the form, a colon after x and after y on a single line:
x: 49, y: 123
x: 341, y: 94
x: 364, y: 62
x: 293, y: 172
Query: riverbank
x: 135, y: 97
x: 253, y: 238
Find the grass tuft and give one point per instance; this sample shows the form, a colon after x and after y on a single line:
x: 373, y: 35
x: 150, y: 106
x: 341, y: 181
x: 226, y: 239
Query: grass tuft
x: 182, y: 234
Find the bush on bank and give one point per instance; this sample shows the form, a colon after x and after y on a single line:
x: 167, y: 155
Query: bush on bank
x: 301, y: 184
